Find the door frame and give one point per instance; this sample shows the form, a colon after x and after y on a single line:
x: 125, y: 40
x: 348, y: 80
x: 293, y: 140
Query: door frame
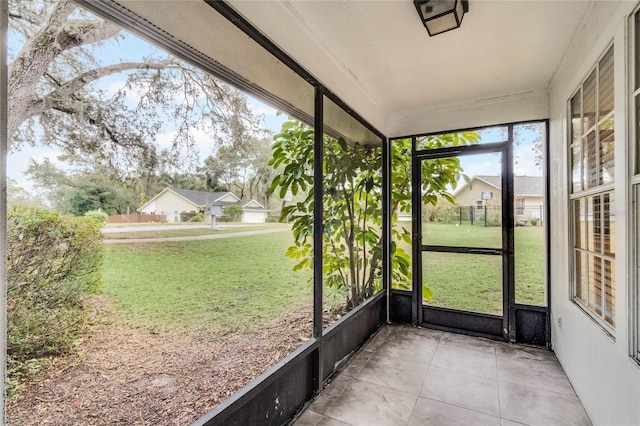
x: 493, y: 326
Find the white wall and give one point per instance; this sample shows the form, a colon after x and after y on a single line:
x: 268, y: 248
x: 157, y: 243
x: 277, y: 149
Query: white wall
x: 169, y: 202
x: 605, y: 378
x: 472, y: 193
x: 149, y: 208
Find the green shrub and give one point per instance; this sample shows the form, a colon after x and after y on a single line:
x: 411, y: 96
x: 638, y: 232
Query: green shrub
x: 198, y: 217
x: 442, y: 212
x: 97, y: 215
x: 534, y: 221
x: 234, y: 212
x: 52, y: 260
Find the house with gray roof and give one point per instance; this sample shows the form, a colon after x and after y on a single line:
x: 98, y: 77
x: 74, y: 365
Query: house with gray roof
x: 484, y: 190
x: 176, y: 204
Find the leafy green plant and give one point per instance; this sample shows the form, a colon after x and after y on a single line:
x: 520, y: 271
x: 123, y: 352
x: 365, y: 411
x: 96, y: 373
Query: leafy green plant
x: 197, y: 218
x: 439, y: 179
x: 52, y: 260
x: 352, y: 203
x: 97, y: 215
x: 234, y: 212
x: 442, y: 212
x: 534, y: 221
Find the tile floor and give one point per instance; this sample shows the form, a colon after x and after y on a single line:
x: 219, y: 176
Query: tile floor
x: 410, y: 376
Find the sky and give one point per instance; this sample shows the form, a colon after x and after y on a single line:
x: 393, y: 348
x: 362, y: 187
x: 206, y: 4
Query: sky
x: 132, y: 48
x: 18, y: 162
x: 523, y: 153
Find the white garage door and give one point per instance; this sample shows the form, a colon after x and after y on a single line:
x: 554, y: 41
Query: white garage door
x: 253, y: 217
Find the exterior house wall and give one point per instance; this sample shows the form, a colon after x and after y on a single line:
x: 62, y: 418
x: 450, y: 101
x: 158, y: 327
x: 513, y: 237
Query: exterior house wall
x: 253, y: 203
x: 528, y: 207
x: 150, y: 208
x: 170, y: 205
x: 229, y: 198
x: 532, y: 201
x: 472, y: 193
x: 604, y: 376
x: 169, y: 202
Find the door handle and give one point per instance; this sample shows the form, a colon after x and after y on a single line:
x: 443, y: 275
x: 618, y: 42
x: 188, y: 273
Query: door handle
x: 485, y: 251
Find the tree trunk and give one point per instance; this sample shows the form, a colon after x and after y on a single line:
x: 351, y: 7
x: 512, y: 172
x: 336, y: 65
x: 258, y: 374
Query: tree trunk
x: 58, y: 35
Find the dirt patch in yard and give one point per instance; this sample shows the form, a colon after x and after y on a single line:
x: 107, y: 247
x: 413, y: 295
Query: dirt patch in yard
x: 125, y: 375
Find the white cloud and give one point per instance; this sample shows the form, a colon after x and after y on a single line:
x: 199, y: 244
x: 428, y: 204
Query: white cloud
x: 165, y: 140
x: 17, y: 163
x: 52, y: 156
x: 203, y: 140
x: 114, y: 87
x: 258, y: 107
x: 525, y: 162
x: 133, y: 95
x: 272, y: 120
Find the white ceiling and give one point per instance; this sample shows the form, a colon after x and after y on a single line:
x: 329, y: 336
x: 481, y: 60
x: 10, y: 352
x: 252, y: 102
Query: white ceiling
x: 378, y: 57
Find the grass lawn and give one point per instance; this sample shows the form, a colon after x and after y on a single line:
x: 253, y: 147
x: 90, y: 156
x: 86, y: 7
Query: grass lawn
x: 530, y: 267
x: 473, y: 282
x: 219, y: 285
x: 466, y: 282
x: 230, y: 284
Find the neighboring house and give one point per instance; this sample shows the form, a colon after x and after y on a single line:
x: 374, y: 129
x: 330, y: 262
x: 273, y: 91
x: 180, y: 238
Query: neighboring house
x: 483, y: 191
x: 253, y: 211
x: 176, y: 204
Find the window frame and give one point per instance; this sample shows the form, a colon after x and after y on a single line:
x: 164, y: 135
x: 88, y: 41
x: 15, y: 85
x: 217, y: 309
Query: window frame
x: 520, y: 206
x: 633, y: 166
x: 590, y: 188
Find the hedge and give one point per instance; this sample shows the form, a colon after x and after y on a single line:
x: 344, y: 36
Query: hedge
x: 52, y: 261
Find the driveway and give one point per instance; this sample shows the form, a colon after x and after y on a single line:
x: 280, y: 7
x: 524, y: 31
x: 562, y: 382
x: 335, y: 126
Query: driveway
x: 193, y: 238
x: 146, y: 228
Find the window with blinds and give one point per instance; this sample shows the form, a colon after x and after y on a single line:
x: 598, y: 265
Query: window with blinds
x: 591, y: 156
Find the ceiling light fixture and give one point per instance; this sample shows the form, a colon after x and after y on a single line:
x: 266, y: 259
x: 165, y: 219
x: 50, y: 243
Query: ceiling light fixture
x: 439, y: 16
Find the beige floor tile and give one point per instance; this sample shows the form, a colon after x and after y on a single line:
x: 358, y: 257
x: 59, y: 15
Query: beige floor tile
x: 460, y: 380
x: 534, y: 406
x: 462, y: 389
x: 368, y: 404
x: 435, y: 413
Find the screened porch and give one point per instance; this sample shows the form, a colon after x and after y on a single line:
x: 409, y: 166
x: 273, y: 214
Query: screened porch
x: 481, y: 315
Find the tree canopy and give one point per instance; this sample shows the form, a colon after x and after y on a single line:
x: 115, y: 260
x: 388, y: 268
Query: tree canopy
x: 63, y: 92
